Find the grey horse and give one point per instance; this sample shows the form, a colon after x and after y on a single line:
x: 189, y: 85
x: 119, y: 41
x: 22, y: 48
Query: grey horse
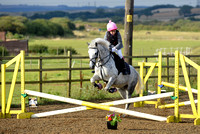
x: 102, y: 60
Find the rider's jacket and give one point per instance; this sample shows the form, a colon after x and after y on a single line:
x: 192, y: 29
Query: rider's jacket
x: 115, y: 40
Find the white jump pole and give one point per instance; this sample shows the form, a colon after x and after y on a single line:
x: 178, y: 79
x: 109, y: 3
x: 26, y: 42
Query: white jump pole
x: 112, y: 103
x: 98, y: 106
x: 118, y: 102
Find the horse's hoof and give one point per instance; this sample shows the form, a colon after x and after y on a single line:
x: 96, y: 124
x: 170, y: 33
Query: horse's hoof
x: 99, y: 86
x: 123, y: 115
x: 112, y: 90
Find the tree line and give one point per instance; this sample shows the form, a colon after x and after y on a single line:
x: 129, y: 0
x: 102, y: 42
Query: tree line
x: 39, y: 27
x: 117, y: 15
x: 59, y: 23
x: 176, y: 25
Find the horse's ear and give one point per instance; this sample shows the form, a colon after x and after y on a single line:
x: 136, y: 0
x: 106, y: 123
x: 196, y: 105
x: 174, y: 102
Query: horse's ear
x: 88, y: 43
x: 96, y: 44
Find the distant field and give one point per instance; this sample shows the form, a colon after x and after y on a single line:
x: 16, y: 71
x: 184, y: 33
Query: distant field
x: 144, y: 42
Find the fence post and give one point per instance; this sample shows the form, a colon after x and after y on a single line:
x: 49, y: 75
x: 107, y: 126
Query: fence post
x: 69, y: 74
x: 189, y: 69
x: 64, y: 51
x: 167, y: 68
x: 81, y: 80
x: 40, y: 74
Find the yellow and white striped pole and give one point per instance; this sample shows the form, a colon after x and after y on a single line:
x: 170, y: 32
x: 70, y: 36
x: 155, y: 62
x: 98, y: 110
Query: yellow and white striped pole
x: 180, y: 87
x: 113, y: 103
x: 97, y: 106
x: 3, y: 90
x: 22, y: 80
x: 180, y: 104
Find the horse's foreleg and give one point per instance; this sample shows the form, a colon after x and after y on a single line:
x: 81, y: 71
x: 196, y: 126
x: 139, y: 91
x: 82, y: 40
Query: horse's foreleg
x: 93, y: 79
x: 110, y: 83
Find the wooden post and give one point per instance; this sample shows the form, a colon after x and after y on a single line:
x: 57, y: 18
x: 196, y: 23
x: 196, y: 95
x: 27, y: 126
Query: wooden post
x: 128, y: 33
x: 189, y: 74
x: 81, y: 81
x: 168, y: 68
x: 64, y: 51
x: 69, y: 74
x: 40, y: 74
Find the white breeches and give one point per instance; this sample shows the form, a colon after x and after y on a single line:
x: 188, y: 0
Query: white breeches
x: 119, y: 53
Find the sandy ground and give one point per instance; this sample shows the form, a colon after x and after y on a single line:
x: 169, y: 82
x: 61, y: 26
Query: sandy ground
x: 94, y: 121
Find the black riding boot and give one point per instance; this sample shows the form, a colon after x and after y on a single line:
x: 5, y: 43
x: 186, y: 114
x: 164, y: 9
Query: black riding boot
x: 124, y: 71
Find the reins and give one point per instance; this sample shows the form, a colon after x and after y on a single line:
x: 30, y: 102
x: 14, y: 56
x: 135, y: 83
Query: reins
x: 100, y: 59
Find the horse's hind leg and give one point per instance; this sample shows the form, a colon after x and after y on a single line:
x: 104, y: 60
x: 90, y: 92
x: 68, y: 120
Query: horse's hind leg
x: 125, y: 95
x: 130, y: 91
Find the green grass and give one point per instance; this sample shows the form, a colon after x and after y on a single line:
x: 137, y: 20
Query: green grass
x: 142, y: 45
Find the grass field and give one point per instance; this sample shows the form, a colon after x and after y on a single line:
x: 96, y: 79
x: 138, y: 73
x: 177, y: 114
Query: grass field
x: 143, y: 44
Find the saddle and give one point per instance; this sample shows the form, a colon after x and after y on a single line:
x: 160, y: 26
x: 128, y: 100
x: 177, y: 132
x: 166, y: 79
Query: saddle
x: 121, y: 65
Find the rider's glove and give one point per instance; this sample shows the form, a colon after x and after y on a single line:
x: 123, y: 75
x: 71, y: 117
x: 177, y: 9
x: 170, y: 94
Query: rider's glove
x: 113, y: 49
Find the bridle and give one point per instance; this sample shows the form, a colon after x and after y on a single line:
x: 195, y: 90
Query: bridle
x: 100, y: 65
x: 97, y: 55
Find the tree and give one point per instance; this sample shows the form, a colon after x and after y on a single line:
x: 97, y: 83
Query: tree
x: 185, y: 10
x: 42, y: 27
x: 66, y: 24
x: 100, y: 11
x: 13, y: 24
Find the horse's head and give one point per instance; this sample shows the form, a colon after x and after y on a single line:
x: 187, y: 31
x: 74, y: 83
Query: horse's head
x: 96, y: 47
x: 93, y: 54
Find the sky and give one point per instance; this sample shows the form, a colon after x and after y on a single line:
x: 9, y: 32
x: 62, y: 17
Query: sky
x: 109, y: 3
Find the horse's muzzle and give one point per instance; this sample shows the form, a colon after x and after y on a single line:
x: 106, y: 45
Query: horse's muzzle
x: 92, y: 65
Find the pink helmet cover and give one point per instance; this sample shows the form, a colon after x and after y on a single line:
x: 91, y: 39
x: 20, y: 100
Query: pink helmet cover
x: 111, y: 26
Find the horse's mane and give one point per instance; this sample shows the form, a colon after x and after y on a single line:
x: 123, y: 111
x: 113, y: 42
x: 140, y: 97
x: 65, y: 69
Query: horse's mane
x: 99, y: 41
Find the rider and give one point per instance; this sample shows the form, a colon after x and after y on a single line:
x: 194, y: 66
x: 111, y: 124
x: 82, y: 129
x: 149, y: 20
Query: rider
x: 113, y: 36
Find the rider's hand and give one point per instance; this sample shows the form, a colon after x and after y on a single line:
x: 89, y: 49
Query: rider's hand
x: 113, y: 49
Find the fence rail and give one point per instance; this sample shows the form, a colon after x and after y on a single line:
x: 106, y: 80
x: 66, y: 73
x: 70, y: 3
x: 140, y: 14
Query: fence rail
x: 167, y: 67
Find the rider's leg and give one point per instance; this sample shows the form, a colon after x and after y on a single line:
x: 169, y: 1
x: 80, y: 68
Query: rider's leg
x: 119, y: 53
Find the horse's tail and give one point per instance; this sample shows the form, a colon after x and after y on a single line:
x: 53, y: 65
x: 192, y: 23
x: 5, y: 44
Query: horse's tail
x: 139, y: 86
